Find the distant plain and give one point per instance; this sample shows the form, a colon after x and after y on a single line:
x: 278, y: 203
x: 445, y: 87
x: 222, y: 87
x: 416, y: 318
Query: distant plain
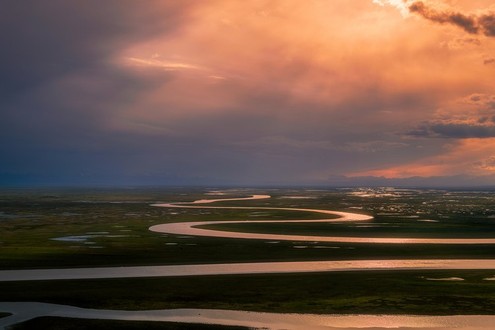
x: 90, y: 228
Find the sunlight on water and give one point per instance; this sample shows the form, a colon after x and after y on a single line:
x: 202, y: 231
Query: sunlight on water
x: 27, y: 310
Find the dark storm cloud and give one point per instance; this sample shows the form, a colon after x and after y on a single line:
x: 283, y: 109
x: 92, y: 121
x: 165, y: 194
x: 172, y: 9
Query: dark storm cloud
x: 58, y: 85
x: 41, y: 40
x: 473, y: 24
x: 204, y: 92
x: 56, y: 80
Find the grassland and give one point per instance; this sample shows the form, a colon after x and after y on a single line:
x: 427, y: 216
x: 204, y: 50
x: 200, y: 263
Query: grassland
x: 399, y: 292
x: 83, y: 228
x: 60, y: 323
x: 110, y: 227
x: 391, y: 228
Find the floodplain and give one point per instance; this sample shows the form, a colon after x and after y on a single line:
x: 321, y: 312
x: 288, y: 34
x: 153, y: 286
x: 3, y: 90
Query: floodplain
x: 71, y: 228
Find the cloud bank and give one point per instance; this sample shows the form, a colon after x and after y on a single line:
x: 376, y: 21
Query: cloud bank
x: 235, y: 92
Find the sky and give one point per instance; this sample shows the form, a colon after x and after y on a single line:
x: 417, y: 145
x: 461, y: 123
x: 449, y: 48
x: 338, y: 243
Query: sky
x: 258, y: 92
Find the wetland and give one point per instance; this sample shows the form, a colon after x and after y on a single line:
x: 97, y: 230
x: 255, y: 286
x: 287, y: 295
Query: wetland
x: 69, y: 228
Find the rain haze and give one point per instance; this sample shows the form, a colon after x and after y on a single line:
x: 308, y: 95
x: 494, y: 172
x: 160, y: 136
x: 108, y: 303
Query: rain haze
x: 263, y: 92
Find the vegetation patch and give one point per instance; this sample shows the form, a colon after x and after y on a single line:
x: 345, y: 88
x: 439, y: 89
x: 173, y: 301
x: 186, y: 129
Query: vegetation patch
x: 369, y: 292
x: 61, y: 323
x: 391, y: 228
x: 105, y: 227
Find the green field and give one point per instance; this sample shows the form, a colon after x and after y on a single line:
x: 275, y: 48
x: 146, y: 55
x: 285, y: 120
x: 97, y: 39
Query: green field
x: 84, y: 228
x: 391, y: 228
x: 110, y: 227
x: 397, y: 292
x: 60, y: 323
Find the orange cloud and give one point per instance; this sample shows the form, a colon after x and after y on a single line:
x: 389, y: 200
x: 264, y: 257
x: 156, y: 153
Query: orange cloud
x: 468, y: 156
x: 326, y: 53
x: 273, y: 88
x: 363, y: 69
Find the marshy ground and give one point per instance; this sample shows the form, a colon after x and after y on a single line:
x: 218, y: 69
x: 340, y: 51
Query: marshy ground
x: 85, y: 228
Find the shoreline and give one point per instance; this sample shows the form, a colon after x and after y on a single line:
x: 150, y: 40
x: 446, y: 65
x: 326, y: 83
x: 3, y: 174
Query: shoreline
x: 192, y: 228
x: 23, y: 311
x: 248, y: 268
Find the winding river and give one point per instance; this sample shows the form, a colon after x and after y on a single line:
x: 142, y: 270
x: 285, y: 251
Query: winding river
x: 26, y: 310
x: 191, y: 228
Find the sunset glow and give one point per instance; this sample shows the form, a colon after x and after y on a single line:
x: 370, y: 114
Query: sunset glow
x: 282, y: 92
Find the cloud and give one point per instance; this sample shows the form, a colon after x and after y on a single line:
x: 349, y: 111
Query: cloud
x: 468, y: 23
x: 488, y: 164
x: 455, y: 130
x: 39, y: 46
x: 487, y: 22
x: 483, y: 102
x: 402, y: 5
x: 473, y: 24
x: 225, y: 91
x: 469, y: 117
x: 455, y: 181
x: 461, y: 43
x: 467, y: 156
x: 165, y: 65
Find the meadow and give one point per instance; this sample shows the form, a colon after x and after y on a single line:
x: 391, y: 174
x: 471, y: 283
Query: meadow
x: 82, y: 228
x: 105, y: 227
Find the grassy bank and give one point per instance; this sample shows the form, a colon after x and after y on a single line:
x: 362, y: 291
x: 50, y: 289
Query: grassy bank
x: 374, y: 292
x: 61, y: 323
x: 376, y: 228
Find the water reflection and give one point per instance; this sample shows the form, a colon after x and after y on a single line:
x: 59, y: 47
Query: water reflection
x: 194, y: 228
x: 27, y: 310
x: 244, y: 268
